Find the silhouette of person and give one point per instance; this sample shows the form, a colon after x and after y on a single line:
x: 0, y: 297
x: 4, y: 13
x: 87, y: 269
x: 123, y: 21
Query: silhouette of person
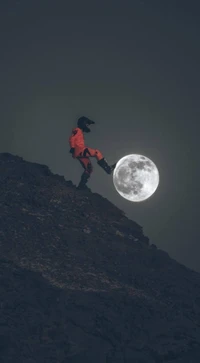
x: 83, y: 153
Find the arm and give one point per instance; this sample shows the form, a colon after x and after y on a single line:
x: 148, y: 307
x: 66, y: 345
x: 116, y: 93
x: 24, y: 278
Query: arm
x: 72, y: 139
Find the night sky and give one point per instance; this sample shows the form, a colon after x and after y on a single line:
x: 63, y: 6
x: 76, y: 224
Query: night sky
x: 131, y: 66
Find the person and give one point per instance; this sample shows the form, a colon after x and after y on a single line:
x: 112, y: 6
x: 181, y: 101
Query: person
x: 83, y: 153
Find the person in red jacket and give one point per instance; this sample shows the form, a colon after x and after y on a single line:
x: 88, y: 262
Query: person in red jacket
x: 83, y: 153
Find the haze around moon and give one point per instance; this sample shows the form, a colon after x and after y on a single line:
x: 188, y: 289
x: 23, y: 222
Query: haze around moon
x: 135, y: 177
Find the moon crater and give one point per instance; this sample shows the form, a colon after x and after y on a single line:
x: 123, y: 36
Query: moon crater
x: 135, y: 177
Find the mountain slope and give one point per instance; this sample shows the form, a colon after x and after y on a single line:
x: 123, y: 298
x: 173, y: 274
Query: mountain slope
x: 81, y: 283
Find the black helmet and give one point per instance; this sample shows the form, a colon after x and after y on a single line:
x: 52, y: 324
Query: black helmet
x: 83, y: 123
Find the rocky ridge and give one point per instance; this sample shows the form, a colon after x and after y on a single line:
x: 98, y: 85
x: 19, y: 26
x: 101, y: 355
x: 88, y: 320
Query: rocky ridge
x: 81, y: 283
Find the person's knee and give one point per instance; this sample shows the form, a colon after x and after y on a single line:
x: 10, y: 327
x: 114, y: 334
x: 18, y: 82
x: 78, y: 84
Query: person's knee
x: 98, y: 154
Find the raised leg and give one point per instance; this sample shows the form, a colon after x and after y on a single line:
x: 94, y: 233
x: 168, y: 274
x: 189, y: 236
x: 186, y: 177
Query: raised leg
x: 104, y: 165
x: 101, y: 161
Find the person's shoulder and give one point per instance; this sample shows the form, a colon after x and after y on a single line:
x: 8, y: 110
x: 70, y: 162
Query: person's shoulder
x: 75, y: 130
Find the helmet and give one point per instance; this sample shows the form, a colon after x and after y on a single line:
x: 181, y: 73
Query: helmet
x: 83, y: 123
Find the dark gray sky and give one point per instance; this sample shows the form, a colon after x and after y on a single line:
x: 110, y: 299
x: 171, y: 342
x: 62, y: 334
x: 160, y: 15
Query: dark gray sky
x: 133, y: 67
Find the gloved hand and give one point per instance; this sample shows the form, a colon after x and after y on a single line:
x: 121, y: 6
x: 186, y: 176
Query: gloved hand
x: 72, y: 150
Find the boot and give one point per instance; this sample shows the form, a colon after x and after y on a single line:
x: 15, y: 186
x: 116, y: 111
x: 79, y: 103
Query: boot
x: 108, y: 168
x: 83, y: 181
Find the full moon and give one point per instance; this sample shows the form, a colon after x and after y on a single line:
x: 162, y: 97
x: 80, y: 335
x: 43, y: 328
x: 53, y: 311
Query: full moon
x: 135, y: 177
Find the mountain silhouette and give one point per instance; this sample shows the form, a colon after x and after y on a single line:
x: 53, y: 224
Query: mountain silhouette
x: 81, y: 283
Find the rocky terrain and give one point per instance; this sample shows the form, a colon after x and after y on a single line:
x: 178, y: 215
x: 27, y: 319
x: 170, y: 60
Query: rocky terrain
x: 80, y: 283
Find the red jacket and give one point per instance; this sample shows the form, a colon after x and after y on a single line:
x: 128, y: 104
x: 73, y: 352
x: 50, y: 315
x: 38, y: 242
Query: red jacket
x: 77, y: 141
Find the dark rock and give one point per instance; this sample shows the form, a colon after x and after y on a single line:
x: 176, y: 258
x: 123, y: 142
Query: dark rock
x: 79, y: 282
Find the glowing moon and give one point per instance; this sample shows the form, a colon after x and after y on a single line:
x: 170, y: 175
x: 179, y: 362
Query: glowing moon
x: 135, y: 177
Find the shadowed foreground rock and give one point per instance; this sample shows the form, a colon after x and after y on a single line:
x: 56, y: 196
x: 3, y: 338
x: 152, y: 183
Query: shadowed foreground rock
x: 80, y: 283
